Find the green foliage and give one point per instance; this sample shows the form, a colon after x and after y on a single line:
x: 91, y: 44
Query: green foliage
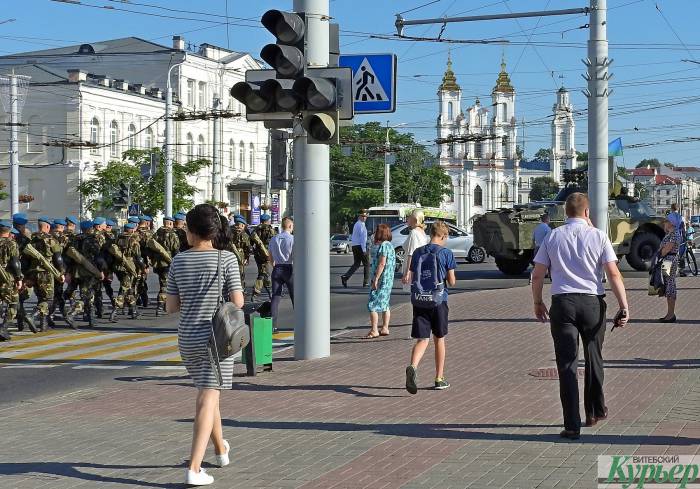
x: 543, y: 188
x: 3, y: 194
x: 519, y: 152
x: 641, y: 191
x: 543, y: 154
x: 582, y: 156
x: 651, y: 162
x: 101, y: 188
x: 357, y: 172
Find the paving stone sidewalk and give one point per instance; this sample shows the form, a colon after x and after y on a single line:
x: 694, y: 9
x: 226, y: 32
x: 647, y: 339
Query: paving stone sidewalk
x: 347, y: 422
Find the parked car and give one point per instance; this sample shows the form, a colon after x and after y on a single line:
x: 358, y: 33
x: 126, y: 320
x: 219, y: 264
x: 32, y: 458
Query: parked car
x: 341, y: 243
x: 459, y: 241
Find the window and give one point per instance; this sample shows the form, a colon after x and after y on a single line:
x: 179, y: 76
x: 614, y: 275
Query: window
x: 201, y: 150
x: 451, y: 150
x: 241, y: 156
x: 94, y: 135
x: 478, y: 196
x: 477, y: 149
x: 504, y: 148
x: 504, y: 192
x: 251, y: 158
x: 190, y: 147
x: 190, y: 93
x: 148, y: 139
x: 449, y: 111
x: 132, y: 136
x: 202, y: 96
x: 504, y: 112
x: 563, y: 143
x: 520, y: 182
x: 114, y: 139
x: 232, y: 154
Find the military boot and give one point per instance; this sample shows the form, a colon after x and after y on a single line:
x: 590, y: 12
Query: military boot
x: 68, y: 317
x: 99, y: 308
x: 134, y: 312
x: 90, y: 318
x: 50, y: 321
x: 4, y: 333
x: 23, y: 319
x: 113, y: 315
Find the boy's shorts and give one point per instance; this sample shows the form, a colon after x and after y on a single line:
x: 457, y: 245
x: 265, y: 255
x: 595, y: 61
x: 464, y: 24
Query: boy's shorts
x: 427, y: 321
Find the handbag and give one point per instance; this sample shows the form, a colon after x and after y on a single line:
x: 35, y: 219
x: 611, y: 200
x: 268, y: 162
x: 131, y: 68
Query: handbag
x: 229, y: 332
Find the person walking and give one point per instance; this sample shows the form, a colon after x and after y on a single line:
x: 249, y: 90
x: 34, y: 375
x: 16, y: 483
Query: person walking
x: 10, y: 280
x: 539, y: 234
x: 260, y: 241
x: 192, y: 289
x: 281, y: 255
x: 382, y: 275
x: 416, y: 239
x: 577, y: 255
x: 433, y: 269
x: 359, y: 250
x: 668, y: 253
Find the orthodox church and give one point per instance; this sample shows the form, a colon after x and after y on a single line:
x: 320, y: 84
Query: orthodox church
x: 478, y: 147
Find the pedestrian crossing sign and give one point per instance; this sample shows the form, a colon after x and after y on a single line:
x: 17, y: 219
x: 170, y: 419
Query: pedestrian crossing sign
x: 373, y: 81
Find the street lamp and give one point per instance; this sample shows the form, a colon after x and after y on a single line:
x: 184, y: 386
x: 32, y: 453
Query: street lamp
x: 387, y: 165
x: 169, y: 139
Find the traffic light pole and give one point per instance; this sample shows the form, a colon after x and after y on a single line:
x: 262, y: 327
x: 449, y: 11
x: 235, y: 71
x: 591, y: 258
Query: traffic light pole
x: 312, y: 210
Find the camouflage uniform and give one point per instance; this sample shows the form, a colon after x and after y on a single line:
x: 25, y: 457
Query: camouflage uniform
x: 241, y: 242
x: 9, y: 296
x: 41, y: 278
x: 90, y: 286
x: 261, y: 253
x: 59, y: 302
x: 169, y: 240
x: 130, y: 246
x: 22, y: 240
x: 71, y: 292
x: 109, y: 238
x: 141, y: 285
x: 182, y: 236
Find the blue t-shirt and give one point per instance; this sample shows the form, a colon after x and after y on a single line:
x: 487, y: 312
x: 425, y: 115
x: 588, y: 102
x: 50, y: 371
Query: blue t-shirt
x: 446, y: 260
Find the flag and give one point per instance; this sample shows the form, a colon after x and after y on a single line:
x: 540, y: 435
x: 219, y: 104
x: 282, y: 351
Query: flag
x: 615, y: 147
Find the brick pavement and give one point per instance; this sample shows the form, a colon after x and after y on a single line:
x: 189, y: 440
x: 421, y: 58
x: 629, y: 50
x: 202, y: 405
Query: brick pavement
x: 347, y: 422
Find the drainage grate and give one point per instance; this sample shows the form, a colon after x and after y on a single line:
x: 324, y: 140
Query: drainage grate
x: 550, y: 373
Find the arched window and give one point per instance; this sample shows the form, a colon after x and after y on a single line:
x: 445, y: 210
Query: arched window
x: 504, y: 148
x: 504, y: 112
x: 190, y: 147
x: 241, y: 156
x: 202, y: 96
x: 478, y: 196
x: 131, y: 131
x: 232, y: 154
x: 148, y: 139
x: 94, y: 135
x: 449, y: 111
x: 563, y: 141
x: 201, y: 149
x: 113, y: 139
x: 477, y: 149
x: 251, y: 158
x: 504, y: 192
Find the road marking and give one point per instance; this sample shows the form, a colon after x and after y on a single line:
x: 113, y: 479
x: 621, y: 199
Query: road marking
x: 101, y: 367
x: 95, y: 355
x: 166, y: 367
x: 151, y: 353
x: 32, y: 365
x: 44, y: 354
x: 32, y: 342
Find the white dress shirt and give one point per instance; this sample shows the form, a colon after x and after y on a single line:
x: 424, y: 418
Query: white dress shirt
x: 281, y: 248
x: 359, y: 235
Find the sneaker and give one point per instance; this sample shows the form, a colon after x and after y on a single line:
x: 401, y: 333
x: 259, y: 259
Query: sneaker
x: 411, y: 386
x: 200, y: 478
x: 441, y: 384
x: 222, y: 460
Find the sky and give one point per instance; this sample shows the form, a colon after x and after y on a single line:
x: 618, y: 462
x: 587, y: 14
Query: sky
x: 655, y: 98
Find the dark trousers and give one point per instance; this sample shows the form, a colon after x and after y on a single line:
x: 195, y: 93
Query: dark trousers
x: 574, y: 315
x: 281, y: 275
x: 359, y: 258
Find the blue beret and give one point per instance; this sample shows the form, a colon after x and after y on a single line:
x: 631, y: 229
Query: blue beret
x: 168, y: 218
x: 134, y: 219
x: 20, y: 218
x: 14, y: 231
x: 130, y: 225
x: 5, y: 224
x: 45, y: 219
x: 239, y: 220
x: 265, y: 217
x: 85, y: 225
x: 146, y: 218
x: 59, y: 222
x: 98, y: 220
x: 72, y: 219
x: 110, y: 222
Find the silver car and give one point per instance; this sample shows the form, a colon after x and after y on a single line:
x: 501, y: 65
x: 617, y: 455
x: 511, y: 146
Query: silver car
x: 341, y: 243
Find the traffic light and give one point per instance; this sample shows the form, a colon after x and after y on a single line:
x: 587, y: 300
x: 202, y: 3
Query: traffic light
x: 121, y: 198
x: 317, y: 97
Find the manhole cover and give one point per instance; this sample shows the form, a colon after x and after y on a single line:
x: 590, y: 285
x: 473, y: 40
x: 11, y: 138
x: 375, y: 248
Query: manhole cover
x: 550, y: 373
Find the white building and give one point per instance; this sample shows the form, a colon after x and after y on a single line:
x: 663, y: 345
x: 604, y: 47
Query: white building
x: 478, y: 148
x: 112, y: 93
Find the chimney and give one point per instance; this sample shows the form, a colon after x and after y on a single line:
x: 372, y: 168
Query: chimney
x: 178, y: 43
x: 138, y: 88
x: 76, y: 76
x: 121, y: 85
x: 156, y: 92
x: 103, y: 81
x: 208, y: 51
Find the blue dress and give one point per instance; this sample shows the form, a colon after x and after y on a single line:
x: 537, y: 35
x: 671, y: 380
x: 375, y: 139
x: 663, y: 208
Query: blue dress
x: 379, y: 299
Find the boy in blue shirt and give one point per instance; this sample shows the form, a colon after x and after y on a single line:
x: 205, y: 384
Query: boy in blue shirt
x: 427, y: 320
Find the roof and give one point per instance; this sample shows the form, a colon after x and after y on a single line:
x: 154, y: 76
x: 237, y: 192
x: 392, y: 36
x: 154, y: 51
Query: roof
x: 541, y: 165
x: 503, y: 84
x: 644, y: 172
x: 112, y: 46
x: 41, y: 74
x: 449, y: 80
x: 687, y: 169
x: 666, y: 180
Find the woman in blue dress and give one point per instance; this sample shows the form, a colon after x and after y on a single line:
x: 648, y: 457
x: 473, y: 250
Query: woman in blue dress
x: 381, y: 280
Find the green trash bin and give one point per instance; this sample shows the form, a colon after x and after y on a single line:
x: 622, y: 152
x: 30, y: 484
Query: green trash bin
x: 258, y: 353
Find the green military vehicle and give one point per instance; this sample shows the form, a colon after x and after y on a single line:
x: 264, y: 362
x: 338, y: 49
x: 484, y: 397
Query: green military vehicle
x: 506, y: 234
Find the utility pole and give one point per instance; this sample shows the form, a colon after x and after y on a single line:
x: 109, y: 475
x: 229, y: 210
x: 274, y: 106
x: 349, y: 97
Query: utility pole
x: 597, y: 93
x: 169, y: 139
x: 268, y: 170
x: 312, y: 209
x: 217, y: 160
x: 14, y: 146
x: 387, y: 168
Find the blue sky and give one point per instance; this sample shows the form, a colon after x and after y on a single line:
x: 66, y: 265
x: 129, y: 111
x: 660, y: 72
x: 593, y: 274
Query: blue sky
x: 654, y: 90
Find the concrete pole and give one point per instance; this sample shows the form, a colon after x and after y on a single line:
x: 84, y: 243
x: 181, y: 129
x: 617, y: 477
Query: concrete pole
x: 598, y: 63
x: 14, y: 146
x: 268, y: 170
x: 169, y: 141
x: 312, y: 211
x: 387, y: 168
x: 216, y: 160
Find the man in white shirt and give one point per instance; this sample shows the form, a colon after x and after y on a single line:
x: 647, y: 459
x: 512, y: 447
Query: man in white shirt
x: 577, y: 255
x: 281, y: 250
x: 539, y: 234
x: 359, y: 250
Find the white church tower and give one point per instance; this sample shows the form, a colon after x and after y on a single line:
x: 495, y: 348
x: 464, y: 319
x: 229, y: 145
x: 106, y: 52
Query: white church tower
x: 563, y: 145
x: 450, y: 100
x: 503, y: 122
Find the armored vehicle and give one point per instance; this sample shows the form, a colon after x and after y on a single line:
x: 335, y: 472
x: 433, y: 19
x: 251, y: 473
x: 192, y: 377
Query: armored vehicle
x: 506, y: 234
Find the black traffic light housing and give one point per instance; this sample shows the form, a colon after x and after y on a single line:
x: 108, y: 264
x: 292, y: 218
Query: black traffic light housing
x: 121, y: 199
x: 288, y: 55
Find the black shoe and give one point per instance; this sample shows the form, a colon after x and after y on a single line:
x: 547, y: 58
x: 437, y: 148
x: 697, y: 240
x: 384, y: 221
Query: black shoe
x: 29, y: 321
x: 134, y: 312
x: 113, y: 316
x: 90, y: 321
x: 20, y: 323
x: 411, y: 386
x: 5, y: 334
x: 365, y: 284
x: 50, y: 322
x: 672, y: 319
x: 570, y: 434
x: 344, y: 280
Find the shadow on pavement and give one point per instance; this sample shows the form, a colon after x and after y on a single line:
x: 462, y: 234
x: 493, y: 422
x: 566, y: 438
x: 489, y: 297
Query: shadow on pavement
x: 341, y: 389
x: 68, y: 469
x: 651, y: 363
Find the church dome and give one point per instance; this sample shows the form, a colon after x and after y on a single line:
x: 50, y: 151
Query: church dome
x: 449, y: 80
x: 503, y: 84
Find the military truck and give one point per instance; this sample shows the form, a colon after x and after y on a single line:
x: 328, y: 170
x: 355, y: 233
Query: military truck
x: 506, y: 234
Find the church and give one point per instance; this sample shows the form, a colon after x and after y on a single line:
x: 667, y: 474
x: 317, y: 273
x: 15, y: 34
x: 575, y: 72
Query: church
x: 478, y: 147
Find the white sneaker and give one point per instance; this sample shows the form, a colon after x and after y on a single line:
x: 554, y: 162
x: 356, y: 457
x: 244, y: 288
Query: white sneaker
x: 200, y: 478
x: 222, y: 460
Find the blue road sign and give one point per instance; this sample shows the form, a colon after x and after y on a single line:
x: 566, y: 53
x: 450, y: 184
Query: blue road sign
x: 134, y: 210
x: 373, y: 81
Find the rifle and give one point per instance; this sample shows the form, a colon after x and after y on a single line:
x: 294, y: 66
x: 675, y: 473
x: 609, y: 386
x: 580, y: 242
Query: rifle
x: 260, y: 244
x: 80, y: 259
x: 154, y: 245
x: 124, y: 260
x: 33, y: 253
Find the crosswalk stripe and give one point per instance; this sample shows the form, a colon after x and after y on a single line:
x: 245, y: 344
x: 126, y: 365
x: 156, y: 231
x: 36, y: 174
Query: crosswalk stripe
x: 33, y: 342
x: 110, y: 340
x: 130, y: 346
x: 150, y: 353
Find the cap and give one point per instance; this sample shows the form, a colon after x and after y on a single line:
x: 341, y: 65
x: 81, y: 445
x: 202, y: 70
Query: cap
x: 44, y: 219
x: 110, y: 223
x: 180, y: 216
x: 85, y: 225
x: 146, y: 219
x: 265, y: 217
x: 130, y: 225
x: 59, y: 222
x: 5, y: 224
x: 134, y: 219
x: 72, y: 219
x: 98, y: 221
x: 14, y: 231
x: 238, y: 219
x: 168, y: 218
x: 20, y: 218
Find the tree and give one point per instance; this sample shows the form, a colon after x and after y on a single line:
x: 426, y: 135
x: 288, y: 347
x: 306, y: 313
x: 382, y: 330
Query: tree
x: 543, y: 154
x: 519, y: 153
x: 653, y: 163
x: 582, y: 156
x: 543, y: 188
x: 149, y: 193
x: 357, y: 176
x: 3, y: 194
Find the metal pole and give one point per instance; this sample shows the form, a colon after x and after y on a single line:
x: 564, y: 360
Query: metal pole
x: 14, y: 146
x: 268, y: 170
x: 387, y: 168
x: 217, y: 160
x: 312, y: 211
x: 169, y: 141
x: 598, y: 63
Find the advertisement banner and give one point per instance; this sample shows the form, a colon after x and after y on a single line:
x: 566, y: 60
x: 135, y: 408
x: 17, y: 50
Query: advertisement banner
x: 275, y: 209
x: 255, y: 214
